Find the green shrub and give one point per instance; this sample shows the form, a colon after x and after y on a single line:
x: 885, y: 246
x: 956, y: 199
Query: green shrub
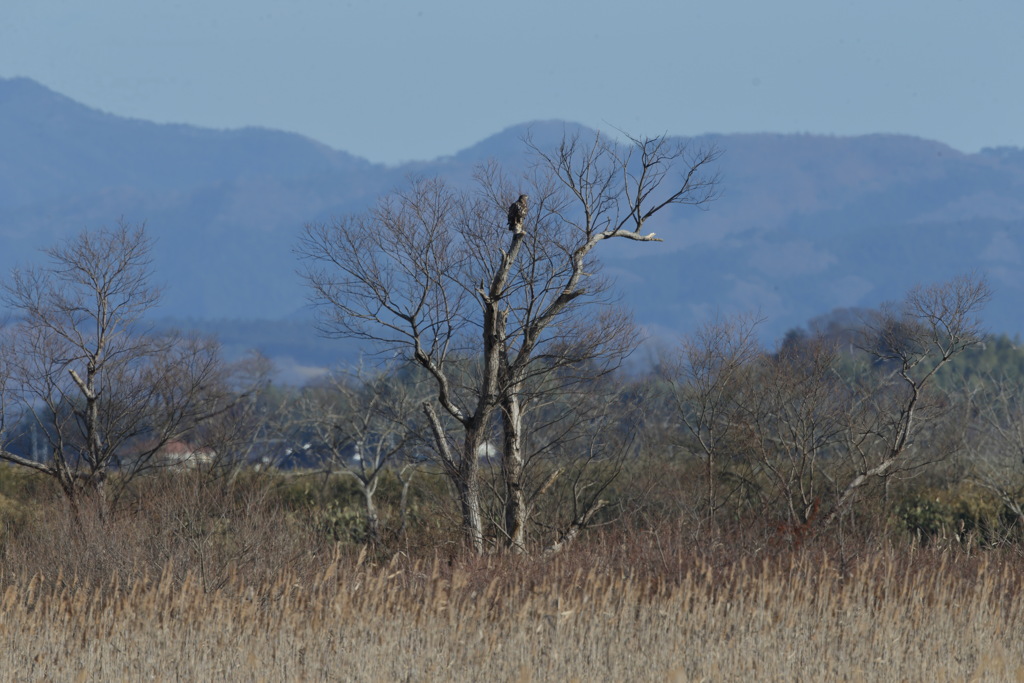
x: 926, y: 517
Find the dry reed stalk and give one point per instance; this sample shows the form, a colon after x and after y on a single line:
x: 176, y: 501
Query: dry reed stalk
x: 797, y: 619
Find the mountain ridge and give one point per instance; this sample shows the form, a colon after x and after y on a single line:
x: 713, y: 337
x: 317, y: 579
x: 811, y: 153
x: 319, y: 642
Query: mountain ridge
x: 805, y: 223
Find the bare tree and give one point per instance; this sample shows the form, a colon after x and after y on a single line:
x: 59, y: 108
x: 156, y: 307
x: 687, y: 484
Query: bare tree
x: 578, y: 426
x: 765, y: 423
x: 995, y: 442
x: 706, y: 379
x: 104, y: 392
x: 797, y: 413
x: 806, y: 428
x: 909, y: 343
x: 363, y: 425
x: 433, y: 276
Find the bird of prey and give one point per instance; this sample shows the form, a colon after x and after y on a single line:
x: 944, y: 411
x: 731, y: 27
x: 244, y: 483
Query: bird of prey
x: 517, y: 213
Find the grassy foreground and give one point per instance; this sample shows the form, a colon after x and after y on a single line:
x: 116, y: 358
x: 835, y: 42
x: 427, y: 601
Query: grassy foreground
x: 934, y: 617
x: 191, y: 580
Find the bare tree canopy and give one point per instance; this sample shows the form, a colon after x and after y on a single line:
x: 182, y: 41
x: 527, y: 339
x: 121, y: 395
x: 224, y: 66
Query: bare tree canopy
x: 361, y: 424
x: 429, y: 276
x: 83, y: 368
x: 806, y: 428
x: 915, y: 339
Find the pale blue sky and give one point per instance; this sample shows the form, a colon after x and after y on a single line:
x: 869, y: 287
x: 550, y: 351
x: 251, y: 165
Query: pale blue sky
x: 403, y: 80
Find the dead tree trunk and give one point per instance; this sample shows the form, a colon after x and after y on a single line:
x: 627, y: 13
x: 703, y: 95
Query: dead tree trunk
x: 512, y: 467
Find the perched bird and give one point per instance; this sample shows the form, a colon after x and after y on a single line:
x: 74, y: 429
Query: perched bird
x: 517, y: 213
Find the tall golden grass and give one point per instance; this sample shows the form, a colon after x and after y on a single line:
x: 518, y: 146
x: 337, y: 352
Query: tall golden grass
x: 889, y: 616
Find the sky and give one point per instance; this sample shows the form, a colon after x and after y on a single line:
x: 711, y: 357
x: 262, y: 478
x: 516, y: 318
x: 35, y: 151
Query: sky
x: 402, y: 80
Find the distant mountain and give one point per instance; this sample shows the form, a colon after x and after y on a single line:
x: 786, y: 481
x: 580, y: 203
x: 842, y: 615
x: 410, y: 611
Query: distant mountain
x: 805, y: 223
x: 224, y: 205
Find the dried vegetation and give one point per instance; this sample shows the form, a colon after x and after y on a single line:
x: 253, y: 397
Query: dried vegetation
x: 199, y: 583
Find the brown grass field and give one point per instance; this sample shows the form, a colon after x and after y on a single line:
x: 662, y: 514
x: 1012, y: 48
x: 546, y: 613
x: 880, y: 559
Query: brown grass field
x: 943, y: 618
x: 187, y: 584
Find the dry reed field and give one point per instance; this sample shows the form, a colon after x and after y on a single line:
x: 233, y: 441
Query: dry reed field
x: 933, y: 615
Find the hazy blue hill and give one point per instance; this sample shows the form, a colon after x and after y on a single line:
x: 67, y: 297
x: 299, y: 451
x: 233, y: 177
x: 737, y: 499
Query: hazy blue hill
x: 51, y: 146
x: 805, y: 223
x: 788, y: 278
x: 224, y: 205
